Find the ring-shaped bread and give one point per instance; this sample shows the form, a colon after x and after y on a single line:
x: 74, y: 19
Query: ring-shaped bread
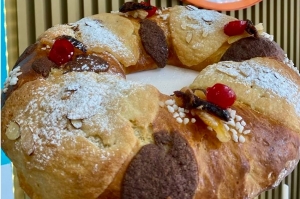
x: 81, y: 130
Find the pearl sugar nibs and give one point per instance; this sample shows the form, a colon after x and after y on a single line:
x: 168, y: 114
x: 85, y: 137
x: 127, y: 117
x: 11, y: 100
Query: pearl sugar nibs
x: 12, y: 79
x: 179, y: 113
x: 236, y: 125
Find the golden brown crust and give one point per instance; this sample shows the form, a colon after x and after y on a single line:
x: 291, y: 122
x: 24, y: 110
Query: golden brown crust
x: 104, y: 151
x: 239, y: 170
x: 193, y: 31
x: 74, y: 134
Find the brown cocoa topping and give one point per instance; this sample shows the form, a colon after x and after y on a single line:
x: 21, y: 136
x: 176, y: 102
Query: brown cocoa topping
x: 166, y: 169
x: 154, y: 42
x: 43, y: 66
x: 91, y: 63
x: 131, y: 6
x: 26, y: 52
x: 250, y: 47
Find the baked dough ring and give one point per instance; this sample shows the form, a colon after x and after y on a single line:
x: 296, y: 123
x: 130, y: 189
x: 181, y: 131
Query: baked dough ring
x: 96, y: 135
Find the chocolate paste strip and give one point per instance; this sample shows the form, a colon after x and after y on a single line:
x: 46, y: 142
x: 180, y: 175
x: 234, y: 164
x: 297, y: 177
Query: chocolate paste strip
x: 91, y: 63
x: 43, y: 66
x: 26, y: 52
x: 154, y: 42
x: 250, y: 47
x: 166, y: 169
x: 131, y: 6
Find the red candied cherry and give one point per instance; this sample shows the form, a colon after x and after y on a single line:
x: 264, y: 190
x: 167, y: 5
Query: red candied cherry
x: 236, y: 27
x: 221, y: 95
x: 61, y: 52
x: 153, y: 9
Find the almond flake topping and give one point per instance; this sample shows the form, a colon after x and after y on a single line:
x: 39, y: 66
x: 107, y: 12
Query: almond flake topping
x: 12, y: 131
x: 189, y: 36
x: 55, y: 119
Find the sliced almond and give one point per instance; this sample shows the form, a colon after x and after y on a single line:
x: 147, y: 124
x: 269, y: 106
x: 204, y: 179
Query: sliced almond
x: 12, y: 131
x: 76, y: 123
x: 205, y: 34
x: 134, y: 13
x: 66, y: 95
x: 245, y: 71
x: 231, y: 73
x: 27, y: 141
x: 142, y: 14
x: 189, y: 37
x: 183, y: 26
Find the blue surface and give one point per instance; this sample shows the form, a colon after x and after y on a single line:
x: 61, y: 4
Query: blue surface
x: 4, y: 159
x: 6, y: 182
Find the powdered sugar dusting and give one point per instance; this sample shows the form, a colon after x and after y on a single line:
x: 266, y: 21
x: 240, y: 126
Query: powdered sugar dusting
x: 73, y: 96
x: 94, y: 34
x: 188, y: 27
x: 203, y: 20
x: 290, y: 63
x: 253, y: 73
x: 267, y: 36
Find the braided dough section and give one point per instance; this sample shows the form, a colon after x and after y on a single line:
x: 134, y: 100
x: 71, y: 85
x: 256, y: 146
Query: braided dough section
x: 83, y: 129
x: 197, y: 35
x: 266, y: 85
x: 121, y: 42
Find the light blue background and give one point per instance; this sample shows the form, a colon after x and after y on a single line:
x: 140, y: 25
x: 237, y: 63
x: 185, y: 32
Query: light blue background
x: 4, y: 159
